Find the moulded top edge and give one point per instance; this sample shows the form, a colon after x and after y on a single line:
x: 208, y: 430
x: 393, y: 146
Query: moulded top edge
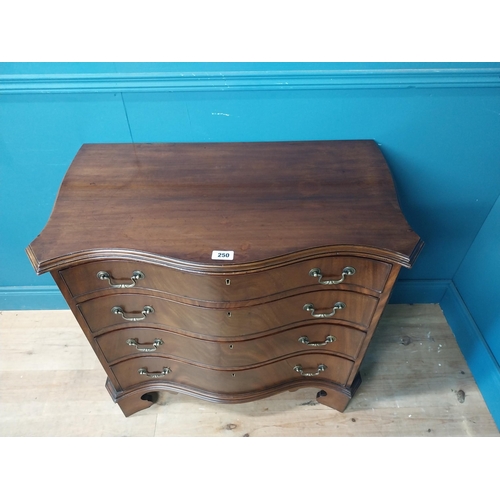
x: 87, y: 256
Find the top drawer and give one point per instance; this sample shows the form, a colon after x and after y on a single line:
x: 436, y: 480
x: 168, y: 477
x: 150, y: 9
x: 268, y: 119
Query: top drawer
x: 328, y: 272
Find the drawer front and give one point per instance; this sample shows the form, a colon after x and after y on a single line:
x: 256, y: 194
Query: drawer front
x: 304, y: 339
x: 114, y: 311
x: 146, y: 369
x: 368, y: 274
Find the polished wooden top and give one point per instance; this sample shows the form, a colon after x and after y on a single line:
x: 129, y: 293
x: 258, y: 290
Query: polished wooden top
x: 176, y: 203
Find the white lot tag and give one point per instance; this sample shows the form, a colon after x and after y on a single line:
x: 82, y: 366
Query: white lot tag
x: 223, y: 255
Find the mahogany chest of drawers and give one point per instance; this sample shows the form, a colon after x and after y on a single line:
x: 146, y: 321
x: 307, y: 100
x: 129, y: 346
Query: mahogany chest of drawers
x: 227, y: 271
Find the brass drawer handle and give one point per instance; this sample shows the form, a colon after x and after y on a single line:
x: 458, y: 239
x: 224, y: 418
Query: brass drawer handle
x: 136, y: 275
x: 316, y: 273
x: 299, y: 369
x: 144, y: 371
x: 147, y: 310
x: 154, y: 345
x: 328, y: 340
x: 336, y: 307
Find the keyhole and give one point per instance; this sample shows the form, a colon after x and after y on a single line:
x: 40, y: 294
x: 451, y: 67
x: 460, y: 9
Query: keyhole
x: 233, y: 375
x: 230, y: 346
x: 228, y: 282
x: 228, y: 314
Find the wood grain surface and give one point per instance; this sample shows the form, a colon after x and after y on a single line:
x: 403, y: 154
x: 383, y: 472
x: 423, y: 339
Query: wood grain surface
x: 179, y: 202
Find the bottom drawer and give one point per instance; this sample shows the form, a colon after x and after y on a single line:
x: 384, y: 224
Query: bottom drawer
x: 157, y: 368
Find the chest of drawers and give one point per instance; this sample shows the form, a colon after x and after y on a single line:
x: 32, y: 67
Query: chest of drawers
x: 227, y: 271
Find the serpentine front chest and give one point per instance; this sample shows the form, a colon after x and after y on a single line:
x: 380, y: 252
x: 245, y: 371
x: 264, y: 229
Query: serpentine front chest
x: 227, y: 271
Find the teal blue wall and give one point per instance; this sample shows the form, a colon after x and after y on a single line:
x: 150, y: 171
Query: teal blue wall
x: 477, y: 326
x: 479, y: 275
x: 437, y: 124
